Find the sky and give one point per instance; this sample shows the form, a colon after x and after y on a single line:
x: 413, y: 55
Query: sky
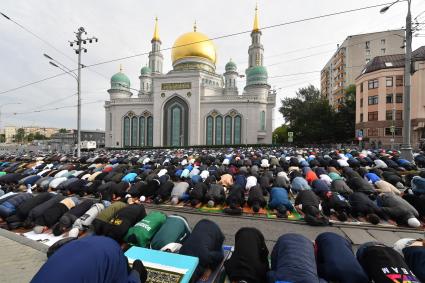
x: 124, y: 29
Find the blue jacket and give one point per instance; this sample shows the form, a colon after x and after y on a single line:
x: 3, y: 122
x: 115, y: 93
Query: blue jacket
x: 279, y: 196
x: 89, y: 259
x: 372, y: 177
x: 292, y: 260
x: 336, y: 261
x: 129, y: 178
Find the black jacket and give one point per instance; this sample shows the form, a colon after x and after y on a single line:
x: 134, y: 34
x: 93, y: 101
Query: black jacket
x: 249, y: 261
x: 205, y: 243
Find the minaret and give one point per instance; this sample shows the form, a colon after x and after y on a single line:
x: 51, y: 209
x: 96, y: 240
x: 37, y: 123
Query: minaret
x: 256, y: 49
x: 230, y: 78
x: 155, y: 56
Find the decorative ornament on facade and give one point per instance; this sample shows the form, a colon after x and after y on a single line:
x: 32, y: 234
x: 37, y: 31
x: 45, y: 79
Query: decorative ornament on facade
x: 146, y: 114
x: 233, y: 112
x: 162, y: 94
x: 189, y: 94
x: 131, y: 114
x: 214, y: 113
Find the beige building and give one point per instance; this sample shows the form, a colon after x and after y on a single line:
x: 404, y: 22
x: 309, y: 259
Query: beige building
x: 9, y: 133
x: 380, y: 96
x: 352, y: 56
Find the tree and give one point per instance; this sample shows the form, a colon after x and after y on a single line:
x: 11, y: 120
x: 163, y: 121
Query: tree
x: 38, y: 136
x: 280, y: 134
x: 63, y: 130
x: 30, y: 137
x: 309, y: 116
x: 345, y: 118
x: 20, y: 135
x: 2, y: 138
x: 313, y: 120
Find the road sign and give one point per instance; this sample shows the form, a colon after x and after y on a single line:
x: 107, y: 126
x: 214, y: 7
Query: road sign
x: 290, y: 139
x: 391, y: 140
x: 392, y: 129
x: 290, y: 134
x: 359, y: 133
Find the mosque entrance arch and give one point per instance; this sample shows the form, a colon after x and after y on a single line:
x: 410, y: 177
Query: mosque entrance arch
x: 176, y: 122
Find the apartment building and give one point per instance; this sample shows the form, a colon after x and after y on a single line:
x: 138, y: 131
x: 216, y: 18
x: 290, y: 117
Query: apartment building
x: 380, y: 98
x: 351, y: 57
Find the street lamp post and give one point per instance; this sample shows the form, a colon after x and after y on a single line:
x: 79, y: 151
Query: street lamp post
x: 79, y: 42
x: 406, y: 147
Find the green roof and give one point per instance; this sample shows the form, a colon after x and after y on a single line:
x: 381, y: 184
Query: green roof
x: 230, y: 66
x: 256, y: 75
x: 145, y: 71
x: 120, y: 80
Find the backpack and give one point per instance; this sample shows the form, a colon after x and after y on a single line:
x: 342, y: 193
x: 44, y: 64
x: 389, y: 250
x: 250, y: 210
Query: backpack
x: 174, y: 230
x: 141, y: 233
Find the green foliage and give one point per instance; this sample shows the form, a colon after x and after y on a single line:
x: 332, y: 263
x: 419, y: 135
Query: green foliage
x: 2, y: 138
x: 20, y: 134
x: 280, y: 135
x: 313, y: 120
x: 38, y: 136
x: 63, y: 131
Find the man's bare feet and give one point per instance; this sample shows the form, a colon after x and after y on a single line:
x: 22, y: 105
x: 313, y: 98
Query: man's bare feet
x: 206, y: 275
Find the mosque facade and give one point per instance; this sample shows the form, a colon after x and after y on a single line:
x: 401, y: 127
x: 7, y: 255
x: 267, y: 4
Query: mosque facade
x: 192, y: 104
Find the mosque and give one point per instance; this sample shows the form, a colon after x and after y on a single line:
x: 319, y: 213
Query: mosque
x: 192, y: 104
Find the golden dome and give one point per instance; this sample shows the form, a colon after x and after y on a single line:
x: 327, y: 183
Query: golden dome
x: 193, y: 44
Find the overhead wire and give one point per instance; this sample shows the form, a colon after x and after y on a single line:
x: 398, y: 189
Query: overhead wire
x: 197, y: 42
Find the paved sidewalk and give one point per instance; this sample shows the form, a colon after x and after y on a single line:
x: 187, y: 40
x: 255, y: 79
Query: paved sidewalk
x: 18, y: 261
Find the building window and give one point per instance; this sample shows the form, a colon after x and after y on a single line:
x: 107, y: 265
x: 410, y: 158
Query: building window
x: 176, y: 123
x: 399, y: 98
x: 399, y: 81
x: 228, y: 130
x: 110, y: 121
x: 126, y: 132
x: 389, y: 98
x: 361, y: 117
x: 372, y: 84
x: 399, y: 115
x: 372, y: 132
x: 372, y: 100
x: 361, y: 87
x: 149, y: 135
x: 361, y: 102
x: 209, y: 130
x: 218, y: 130
x: 372, y: 116
x: 389, y: 81
x: 263, y: 120
x: 397, y: 131
x: 382, y: 41
x: 383, y: 51
x: 134, y: 128
x: 237, y: 129
x: 367, y: 44
x: 142, y: 131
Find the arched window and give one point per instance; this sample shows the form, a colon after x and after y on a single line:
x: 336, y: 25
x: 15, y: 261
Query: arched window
x: 149, y: 135
x: 176, y: 117
x: 218, y: 130
x: 209, y: 130
x: 142, y: 131
x: 263, y: 120
x: 237, y: 129
x: 126, y: 131
x: 228, y: 130
x: 134, y: 128
x: 110, y: 121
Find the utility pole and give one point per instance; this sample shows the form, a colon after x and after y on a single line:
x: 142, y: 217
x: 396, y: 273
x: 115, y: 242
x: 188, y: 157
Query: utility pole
x: 79, y: 41
x: 406, y: 148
